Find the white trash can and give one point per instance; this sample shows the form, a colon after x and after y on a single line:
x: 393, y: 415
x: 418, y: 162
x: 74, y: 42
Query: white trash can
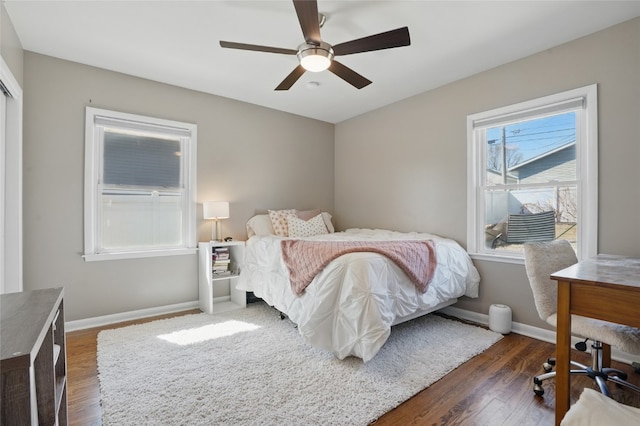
x: 500, y: 318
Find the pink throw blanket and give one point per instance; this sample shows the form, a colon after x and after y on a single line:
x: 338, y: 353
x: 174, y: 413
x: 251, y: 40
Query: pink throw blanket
x: 305, y: 259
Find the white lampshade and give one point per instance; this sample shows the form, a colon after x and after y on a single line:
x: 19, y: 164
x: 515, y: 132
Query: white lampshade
x: 215, y: 210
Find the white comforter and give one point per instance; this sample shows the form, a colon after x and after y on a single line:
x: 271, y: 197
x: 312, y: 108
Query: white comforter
x: 350, y: 306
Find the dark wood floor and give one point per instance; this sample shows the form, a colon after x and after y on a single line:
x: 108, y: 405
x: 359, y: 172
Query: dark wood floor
x: 494, y: 388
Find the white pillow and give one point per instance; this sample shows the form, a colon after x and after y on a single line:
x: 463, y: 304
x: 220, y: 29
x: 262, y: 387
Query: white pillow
x: 299, y: 228
x: 259, y: 225
x: 327, y: 221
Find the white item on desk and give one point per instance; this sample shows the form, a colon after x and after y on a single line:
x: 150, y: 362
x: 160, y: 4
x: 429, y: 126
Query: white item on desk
x: 596, y: 409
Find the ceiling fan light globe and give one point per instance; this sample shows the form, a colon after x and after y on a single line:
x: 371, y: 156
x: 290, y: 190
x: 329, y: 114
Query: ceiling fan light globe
x: 315, y: 58
x: 315, y: 63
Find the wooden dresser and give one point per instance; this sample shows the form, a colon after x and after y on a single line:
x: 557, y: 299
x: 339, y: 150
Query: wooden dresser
x: 33, y: 363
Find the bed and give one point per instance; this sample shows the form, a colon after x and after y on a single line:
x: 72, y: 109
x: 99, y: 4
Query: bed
x: 350, y: 305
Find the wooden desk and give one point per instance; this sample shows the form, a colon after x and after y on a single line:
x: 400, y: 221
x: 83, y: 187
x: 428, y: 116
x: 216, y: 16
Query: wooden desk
x: 605, y: 287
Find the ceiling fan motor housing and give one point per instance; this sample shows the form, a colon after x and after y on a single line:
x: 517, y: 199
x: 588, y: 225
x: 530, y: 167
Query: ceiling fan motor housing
x: 315, y: 57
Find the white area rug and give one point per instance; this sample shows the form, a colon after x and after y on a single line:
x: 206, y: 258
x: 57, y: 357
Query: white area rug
x: 248, y: 367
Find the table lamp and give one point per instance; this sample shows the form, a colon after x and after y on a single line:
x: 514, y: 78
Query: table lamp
x: 215, y: 210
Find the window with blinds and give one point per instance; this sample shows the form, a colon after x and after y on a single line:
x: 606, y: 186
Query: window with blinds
x: 139, y: 185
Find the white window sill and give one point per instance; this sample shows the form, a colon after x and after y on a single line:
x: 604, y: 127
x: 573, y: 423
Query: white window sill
x: 92, y: 257
x: 518, y: 260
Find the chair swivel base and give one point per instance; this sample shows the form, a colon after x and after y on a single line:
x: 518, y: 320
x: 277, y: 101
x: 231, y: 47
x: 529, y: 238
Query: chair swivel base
x: 600, y: 377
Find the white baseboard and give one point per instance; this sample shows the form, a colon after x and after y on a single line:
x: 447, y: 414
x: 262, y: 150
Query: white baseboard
x: 128, y: 316
x: 530, y: 331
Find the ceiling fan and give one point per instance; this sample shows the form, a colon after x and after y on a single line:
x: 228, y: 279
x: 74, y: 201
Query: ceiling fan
x: 316, y: 55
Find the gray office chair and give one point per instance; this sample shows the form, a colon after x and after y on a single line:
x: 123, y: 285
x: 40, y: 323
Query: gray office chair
x: 541, y: 260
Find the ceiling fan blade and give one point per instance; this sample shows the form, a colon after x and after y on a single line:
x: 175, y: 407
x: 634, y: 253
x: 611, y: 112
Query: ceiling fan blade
x: 307, y: 11
x: 348, y: 75
x: 291, y: 78
x: 255, y: 47
x: 394, y: 38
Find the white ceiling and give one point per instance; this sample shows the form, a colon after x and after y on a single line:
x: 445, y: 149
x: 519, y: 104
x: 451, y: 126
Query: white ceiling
x: 176, y: 42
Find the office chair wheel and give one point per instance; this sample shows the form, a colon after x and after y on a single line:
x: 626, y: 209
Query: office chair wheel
x: 548, y: 366
x: 537, y: 387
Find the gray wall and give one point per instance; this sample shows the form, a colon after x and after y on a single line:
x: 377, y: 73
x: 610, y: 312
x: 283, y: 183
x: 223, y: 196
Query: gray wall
x: 404, y: 167
x: 255, y: 158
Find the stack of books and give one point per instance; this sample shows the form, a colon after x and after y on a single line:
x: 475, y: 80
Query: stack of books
x: 221, y: 261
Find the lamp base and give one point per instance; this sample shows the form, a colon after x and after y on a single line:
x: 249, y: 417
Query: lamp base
x: 218, y: 231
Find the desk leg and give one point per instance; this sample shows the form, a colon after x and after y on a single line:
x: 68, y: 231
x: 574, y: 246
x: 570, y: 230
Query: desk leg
x: 563, y: 350
x: 606, y: 355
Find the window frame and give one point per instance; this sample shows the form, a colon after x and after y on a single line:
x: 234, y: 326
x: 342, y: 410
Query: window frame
x: 586, y: 169
x: 95, y: 119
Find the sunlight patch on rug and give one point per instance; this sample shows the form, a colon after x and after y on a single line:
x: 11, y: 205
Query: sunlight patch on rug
x: 208, y: 332
x: 267, y: 375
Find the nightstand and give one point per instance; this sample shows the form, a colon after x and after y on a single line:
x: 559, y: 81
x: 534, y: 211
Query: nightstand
x: 212, y: 258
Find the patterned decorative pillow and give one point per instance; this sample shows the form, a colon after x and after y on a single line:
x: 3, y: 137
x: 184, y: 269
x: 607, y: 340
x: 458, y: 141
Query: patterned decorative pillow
x: 279, y: 221
x: 299, y: 228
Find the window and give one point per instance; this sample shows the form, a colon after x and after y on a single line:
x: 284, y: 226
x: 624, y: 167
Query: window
x: 139, y: 186
x: 533, y: 175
